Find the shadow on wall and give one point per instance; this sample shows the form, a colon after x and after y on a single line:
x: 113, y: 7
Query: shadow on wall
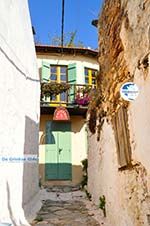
x: 25, y: 183
x: 43, y: 139
x: 77, y: 174
x: 40, y: 73
x: 9, y: 205
x: 77, y: 125
x: 16, y: 215
x: 30, y: 170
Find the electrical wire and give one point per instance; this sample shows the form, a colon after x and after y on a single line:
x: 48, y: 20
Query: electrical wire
x: 62, y: 23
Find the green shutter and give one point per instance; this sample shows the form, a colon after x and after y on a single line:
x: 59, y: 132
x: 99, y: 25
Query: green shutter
x: 72, y: 75
x: 72, y: 79
x: 45, y: 71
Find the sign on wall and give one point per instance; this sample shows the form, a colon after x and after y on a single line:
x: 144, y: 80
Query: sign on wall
x: 129, y: 91
x: 61, y: 114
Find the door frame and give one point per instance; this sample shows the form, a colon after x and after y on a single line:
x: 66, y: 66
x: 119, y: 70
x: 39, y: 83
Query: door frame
x: 57, y: 153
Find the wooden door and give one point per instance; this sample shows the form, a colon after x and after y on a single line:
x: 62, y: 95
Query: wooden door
x: 58, y: 151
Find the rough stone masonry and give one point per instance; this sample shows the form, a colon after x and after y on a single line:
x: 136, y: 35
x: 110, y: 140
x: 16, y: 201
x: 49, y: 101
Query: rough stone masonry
x: 124, y: 54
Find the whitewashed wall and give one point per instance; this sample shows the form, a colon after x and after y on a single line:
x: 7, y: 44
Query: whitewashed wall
x: 19, y: 114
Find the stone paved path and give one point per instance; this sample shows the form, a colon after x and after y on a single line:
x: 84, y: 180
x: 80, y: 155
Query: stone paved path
x: 64, y: 210
x: 65, y: 213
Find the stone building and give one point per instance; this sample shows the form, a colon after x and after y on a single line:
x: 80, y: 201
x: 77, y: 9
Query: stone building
x: 19, y: 114
x: 119, y: 152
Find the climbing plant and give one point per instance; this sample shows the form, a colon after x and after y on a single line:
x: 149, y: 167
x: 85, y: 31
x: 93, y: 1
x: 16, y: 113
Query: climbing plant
x: 85, y: 178
x: 85, y: 175
x: 95, y: 111
x: 102, y: 204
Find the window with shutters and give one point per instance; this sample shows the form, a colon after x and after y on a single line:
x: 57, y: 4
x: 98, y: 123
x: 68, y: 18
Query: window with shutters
x: 121, y: 132
x: 59, y: 74
x: 90, y: 76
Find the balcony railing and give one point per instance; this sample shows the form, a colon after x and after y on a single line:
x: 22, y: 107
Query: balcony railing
x: 76, y: 95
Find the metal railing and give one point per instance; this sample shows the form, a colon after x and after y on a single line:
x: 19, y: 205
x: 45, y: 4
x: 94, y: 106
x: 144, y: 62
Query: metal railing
x: 76, y: 95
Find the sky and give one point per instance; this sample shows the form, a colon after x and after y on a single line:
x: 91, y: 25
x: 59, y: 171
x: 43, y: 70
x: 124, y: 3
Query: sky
x: 46, y: 19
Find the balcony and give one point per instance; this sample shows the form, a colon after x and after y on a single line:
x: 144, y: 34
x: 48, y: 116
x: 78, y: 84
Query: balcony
x: 75, y: 97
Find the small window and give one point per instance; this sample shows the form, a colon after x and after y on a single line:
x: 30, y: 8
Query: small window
x: 63, y: 77
x: 90, y: 76
x: 53, y: 77
x: 53, y: 73
x: 121, y: 132
x: 53, y: 69
x: 58, y: 73
x: 63, y: 97
x: 63, y: 69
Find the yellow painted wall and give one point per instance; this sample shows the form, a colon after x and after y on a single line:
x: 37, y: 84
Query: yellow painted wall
x: 78, y: 135
x: 78, y: 144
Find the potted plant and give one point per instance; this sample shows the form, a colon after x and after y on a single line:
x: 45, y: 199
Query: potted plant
x: 51, y: 89
x: 82, y: 96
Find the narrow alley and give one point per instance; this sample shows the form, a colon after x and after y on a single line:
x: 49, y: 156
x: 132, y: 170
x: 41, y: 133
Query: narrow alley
x: 65, y: 207
x: 75, y: 113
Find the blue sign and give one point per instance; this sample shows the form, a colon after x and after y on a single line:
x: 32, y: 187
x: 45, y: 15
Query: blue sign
x: 129, y: 91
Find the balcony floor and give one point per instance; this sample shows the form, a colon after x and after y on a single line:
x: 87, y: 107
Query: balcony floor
x: 72, y: 109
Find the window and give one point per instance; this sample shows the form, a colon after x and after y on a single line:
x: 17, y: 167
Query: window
x: 121, y: 132
x: 59, y: 74
x: 90, y: 76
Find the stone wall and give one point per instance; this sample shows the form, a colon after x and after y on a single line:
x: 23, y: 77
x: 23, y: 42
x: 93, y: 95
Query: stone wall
x: 19, y: 114
x: 124, y: 47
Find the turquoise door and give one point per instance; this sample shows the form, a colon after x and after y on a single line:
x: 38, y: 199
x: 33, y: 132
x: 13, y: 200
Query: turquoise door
x: 58, y: 151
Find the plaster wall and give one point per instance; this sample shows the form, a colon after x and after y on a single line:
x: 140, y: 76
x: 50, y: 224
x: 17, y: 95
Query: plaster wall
x: 19, y: 115
x: 127, y: 191
x: 78, y: 149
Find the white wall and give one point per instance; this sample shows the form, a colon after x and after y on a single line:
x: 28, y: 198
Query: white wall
x: 19, y: 115
x: 127, y: 191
